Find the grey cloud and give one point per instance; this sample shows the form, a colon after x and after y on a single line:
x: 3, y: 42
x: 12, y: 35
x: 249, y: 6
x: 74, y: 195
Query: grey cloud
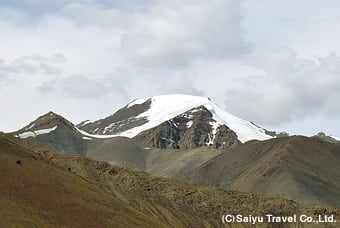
x: 177, y: 33
x: 41, y: 7
x: 75, y: 86
x: 290, y: 88
x: 117, y: 87
x: 4, y: 68
x: 31, y: 65
x: 83, y: 87
x: 161, y: 34
x: 48, y: 69
x: 5, y: 73
x: 167, y: 34
x: 48, y: 87
x: 55, y: 58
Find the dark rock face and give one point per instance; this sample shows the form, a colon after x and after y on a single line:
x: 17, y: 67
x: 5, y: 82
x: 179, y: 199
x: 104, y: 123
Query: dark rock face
x: 225, y: 137
x: 124, y: 119
x: 189, y: 130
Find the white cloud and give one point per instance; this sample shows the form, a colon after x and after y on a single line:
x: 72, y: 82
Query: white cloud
x: 83, y: 88
x: 288, y: 89
x: 29, y: 69
x: 308, y: 27
x: 76, y: 86
x: 176, y: 33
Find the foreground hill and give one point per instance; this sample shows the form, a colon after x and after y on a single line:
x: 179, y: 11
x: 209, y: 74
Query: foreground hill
x: 46, y: 189
x: 297, y: 167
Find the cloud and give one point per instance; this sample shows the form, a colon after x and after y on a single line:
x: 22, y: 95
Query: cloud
x: 179, y: 84
x: 4, y: 72
x: 83, y: 87
x: 26, y: 67
x: 74, y: 86
x: 158, y: 35
x: 37, y: 8
x: 163, y: 34
x: 288, y: 89
x: 176, y: 33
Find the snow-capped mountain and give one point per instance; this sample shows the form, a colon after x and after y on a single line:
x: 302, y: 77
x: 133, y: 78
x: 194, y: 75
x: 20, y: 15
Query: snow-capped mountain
x: 168, y: 121
x: 178, y: 111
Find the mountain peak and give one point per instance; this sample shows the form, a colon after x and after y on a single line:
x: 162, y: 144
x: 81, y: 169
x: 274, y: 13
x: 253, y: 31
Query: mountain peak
x: 144, y: 114
x: 54, y: 131
x: 49, y: 121
x: 51, y: 113
x: 51, y: 118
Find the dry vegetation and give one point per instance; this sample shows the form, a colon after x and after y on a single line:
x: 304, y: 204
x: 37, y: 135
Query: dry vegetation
x: 54, y: 190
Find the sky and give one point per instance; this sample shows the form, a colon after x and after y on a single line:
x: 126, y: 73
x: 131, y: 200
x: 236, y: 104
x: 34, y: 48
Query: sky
x: 276, y: 63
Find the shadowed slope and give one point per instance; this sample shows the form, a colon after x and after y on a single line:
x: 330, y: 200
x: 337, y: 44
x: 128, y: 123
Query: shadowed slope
x: 56, y: 132
x: 300, y: 168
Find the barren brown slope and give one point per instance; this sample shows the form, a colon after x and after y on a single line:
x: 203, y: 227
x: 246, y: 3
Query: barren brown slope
x: 300, y: 168
x: 37, y: 193
x: 51, y: 189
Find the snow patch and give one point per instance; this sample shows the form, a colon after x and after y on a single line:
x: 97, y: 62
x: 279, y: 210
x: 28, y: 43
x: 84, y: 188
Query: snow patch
x: 87, y: 138
x: 95, y: 136
x: 111, y: 126
x: 37, y: 132
x: 85, y: 123
x: 30, y: 127
x: 189, y: 124
x: 137, y: 101
x: 336, y: 138
x: 212, y: 135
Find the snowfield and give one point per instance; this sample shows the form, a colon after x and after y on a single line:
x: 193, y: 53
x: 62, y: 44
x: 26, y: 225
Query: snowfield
x: 37, y: 132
